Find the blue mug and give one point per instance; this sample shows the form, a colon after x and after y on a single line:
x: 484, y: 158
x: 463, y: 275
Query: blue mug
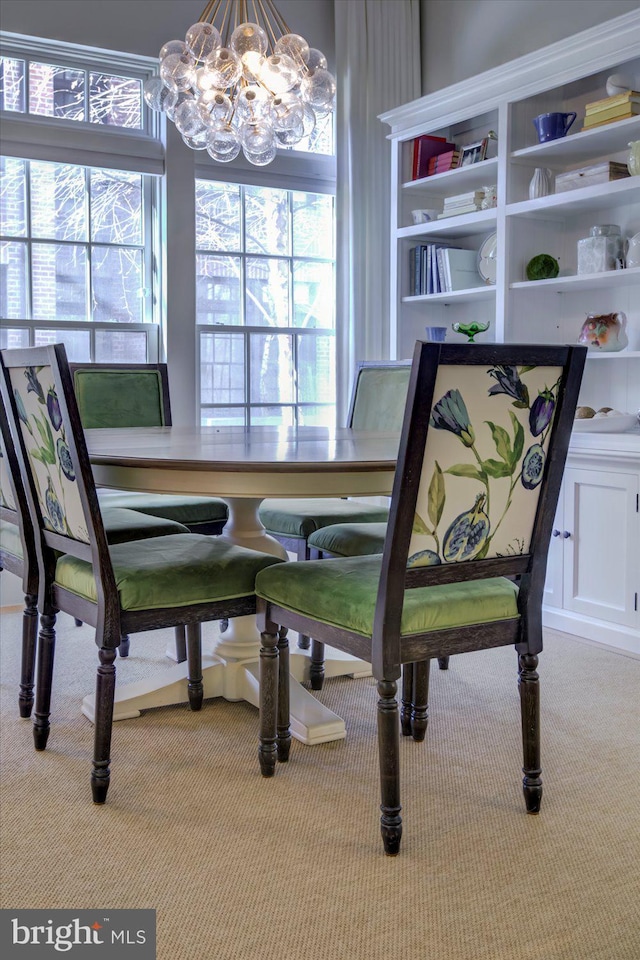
x: 552, y: 126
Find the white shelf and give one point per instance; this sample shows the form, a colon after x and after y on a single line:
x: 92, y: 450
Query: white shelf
x: 558, y: 205
x: 461, y: 226
x: 613, y: 355
x: 589, y: 281
x: 455, y: 181
x: 459, y: 296
x: 582, y: 146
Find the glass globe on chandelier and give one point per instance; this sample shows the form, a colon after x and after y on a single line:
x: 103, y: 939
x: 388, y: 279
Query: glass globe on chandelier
x: 239, y: 84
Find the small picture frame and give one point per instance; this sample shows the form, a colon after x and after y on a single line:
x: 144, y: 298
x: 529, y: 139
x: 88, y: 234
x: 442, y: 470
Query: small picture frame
x: 473, y: 152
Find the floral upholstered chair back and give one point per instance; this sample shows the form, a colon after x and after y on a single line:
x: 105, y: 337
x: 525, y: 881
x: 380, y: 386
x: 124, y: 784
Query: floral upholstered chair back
x: 49, y: 457
x: 484, y: 461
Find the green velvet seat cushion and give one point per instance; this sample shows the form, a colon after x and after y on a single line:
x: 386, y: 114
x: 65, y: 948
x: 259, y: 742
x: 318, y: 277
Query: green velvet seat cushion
x: 188, y: 510
x: 298, y: 519
x: 350, y: 539
x: 121, y: 525
x: 10, y: 541
x: 119, y: 398
x: 170, y: 571
x: 343, y: 592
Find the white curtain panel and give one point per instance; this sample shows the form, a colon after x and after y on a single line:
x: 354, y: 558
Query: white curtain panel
x: 377, y: 68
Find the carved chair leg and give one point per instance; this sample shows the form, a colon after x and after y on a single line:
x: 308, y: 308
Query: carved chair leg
x: 195, y: 687
x: 123, y: 647
x: 269, y: 684
x: 389, y: 756
x: 316, y: 669
x: 28, y: 665
x: 283, y: 741
x: 181, y: 643
x: 304, y: 642
x: 443, y: 663
x: 103, y: 723
x: 420, y: 698
x: 407, y: 698
x: 45, y: 657
x: 529, y: 686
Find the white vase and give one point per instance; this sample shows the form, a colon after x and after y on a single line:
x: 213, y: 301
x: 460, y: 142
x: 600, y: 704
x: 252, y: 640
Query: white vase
x: 540, y: 184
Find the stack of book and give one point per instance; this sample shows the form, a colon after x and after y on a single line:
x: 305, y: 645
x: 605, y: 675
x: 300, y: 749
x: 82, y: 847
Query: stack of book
x: 439, y: 268
x: 619, y: 107
x: 424, y: 149
x: 462, y: 203
x: 443, y: 161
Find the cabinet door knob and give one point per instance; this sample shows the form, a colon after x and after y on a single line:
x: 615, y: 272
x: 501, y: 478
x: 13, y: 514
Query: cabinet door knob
x: 566, y: 534
x: 556, y: 533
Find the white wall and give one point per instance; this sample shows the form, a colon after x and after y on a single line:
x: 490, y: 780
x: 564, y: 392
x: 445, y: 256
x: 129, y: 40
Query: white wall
x: 461, y: 38
x: 142, y: 26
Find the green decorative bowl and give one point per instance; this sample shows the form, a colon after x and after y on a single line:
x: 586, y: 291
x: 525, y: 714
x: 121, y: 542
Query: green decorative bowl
x: 543, y: 267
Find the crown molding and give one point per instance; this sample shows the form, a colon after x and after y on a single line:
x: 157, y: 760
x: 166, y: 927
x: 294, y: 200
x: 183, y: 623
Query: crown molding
x: 602, y: 46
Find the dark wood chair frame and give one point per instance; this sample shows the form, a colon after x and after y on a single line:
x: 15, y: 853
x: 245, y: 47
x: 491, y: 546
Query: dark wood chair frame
x: 106, y: 616
x: 388, y: 651
x: 25, y: 567
x: 301, y: 548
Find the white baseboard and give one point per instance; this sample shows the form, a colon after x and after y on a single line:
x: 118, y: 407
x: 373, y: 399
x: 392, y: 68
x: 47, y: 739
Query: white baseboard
x: 622, y: 639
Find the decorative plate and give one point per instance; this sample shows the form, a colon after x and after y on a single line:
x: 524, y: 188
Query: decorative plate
x: 543, y: 267
x: 487, y: 262
x: 606, y: 424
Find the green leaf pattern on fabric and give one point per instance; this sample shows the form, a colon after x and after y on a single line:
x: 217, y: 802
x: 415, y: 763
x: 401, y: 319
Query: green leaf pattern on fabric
x: 481, y: 474
x: 48, y: 451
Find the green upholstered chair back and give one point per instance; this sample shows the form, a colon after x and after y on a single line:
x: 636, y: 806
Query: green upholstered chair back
x: 122, y: 395
x: 484, y: 441
x: 7, y: 498
x: 379, y: 396
x: 17, y: 545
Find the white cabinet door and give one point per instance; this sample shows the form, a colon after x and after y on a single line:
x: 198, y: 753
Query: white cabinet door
x: 601, y: 571
x: 555, y: 558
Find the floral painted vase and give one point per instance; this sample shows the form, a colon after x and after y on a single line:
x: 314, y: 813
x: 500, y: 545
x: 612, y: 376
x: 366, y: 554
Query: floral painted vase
x: 605, y: 332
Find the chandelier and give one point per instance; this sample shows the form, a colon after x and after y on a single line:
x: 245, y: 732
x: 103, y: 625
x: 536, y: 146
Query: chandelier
x: 236, y: 83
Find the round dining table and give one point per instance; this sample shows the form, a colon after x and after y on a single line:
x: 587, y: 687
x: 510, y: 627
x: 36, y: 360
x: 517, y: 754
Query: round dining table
x: 243, y: 466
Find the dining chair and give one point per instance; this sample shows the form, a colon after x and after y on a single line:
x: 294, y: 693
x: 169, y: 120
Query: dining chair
x: 137, y: 395
x: 482, y: 452
x: 18, y: 554
x: 377, y: 403
x: 184, y: 578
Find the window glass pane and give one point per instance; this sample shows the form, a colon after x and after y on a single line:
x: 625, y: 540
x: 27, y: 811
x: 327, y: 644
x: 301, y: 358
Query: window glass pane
x: 116, y: 207
x: 13, y: 338
x: 12, y: 84
x: 266, y: 220
x: 13, y: 281
x: 312, y: 225
x: 223, y: 417
x: 77, y: 342
x: 13, y: 204
x: 316, y: 416
x: 58, y: 201
x: 217, y: 216
x: 218, y: 286
x: 116, y: 277
x: 272, y: 379
x: 272, y: 416
x: 316, y: 369
x: 56, y: 91
x: 116, y: 101
x: 59, y: 281
x: 222, y: 368
x: 320, y: 140
x: 120, y: 346
x: 267, y: 292
x: 313, y: 295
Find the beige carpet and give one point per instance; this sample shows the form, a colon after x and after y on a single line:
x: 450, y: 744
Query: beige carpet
x: 241, y: 867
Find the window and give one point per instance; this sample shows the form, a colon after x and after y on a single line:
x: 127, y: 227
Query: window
x: 265, y: 304
x: 72, y: 251
x: 77, y: 242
